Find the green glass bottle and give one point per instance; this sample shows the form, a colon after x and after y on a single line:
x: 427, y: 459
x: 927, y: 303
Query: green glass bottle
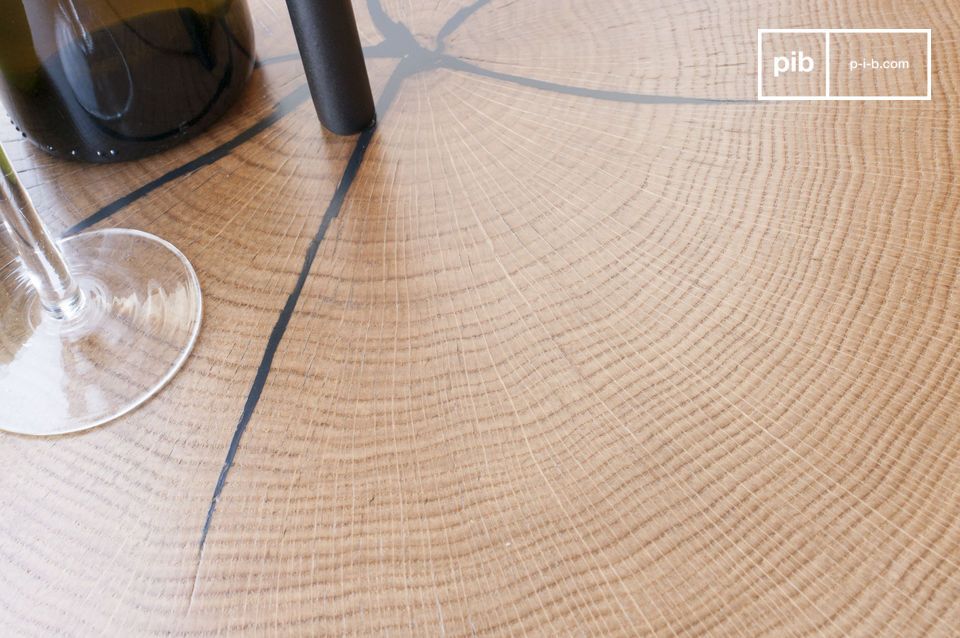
x: 113, y: 80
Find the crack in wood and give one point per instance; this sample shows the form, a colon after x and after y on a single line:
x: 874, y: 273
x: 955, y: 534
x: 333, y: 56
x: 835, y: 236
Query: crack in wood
x: 285, y: 106
x: 410, y: 64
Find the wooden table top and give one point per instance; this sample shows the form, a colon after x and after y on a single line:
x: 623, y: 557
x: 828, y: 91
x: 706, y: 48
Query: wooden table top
x: 583, y: 339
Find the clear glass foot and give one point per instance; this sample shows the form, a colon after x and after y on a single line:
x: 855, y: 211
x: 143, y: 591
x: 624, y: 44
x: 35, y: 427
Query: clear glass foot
x: 87, y: 363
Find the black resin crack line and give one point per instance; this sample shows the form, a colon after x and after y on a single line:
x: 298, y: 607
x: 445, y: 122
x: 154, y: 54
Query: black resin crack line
x: 455, y: 21
x: 399, y: 40
x: 459, y: 64
x: 283, y: 107
x: 286, y: 105
x: 350, y: 173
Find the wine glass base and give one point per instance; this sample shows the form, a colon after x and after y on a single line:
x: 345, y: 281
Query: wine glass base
x: 139, y: 320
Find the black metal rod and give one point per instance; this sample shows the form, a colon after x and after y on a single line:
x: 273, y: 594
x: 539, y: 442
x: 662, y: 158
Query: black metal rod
x: 329, y: 44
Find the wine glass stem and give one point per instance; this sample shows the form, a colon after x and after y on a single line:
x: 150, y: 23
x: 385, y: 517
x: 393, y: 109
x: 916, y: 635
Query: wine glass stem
x: 41, y: 258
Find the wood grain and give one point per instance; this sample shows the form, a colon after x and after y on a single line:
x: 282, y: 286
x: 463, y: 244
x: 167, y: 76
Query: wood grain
x: 588, y: 341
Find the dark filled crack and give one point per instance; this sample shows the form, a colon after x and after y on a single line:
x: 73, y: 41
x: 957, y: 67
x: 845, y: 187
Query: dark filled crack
x: 459, y: 64
x: 287, y: 105
x: 283, y: 320
x: 408, y: 65
x: 456, y: 21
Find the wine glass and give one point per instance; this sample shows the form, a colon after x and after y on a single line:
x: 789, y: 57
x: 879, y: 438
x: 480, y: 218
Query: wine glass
x: 90, y: 327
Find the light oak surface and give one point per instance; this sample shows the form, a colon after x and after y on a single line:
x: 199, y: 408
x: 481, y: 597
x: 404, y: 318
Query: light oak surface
x: 583, y: 339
